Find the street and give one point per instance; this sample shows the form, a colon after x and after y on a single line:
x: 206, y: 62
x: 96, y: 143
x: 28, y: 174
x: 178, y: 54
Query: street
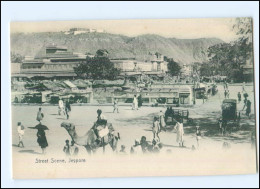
x: 133, y: 125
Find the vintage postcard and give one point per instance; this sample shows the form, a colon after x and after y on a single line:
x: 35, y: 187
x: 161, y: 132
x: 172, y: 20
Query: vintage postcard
x: 130, y: 98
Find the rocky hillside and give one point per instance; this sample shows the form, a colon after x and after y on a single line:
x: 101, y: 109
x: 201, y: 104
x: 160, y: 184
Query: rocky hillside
x: 118, y: 46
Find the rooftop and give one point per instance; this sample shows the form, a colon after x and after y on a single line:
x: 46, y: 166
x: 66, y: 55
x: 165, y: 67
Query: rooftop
x: 70, y: 84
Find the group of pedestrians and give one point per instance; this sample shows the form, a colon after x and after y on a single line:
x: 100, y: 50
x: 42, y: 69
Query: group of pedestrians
x: 226, y: 93
x: 247, y: 102
x: 65, y: 110
x: 226, y: 90
x: 70, y: 149
x: 137, y: 102
x: 144, y: 147
x: 159, y: 125
x: 41, y: 135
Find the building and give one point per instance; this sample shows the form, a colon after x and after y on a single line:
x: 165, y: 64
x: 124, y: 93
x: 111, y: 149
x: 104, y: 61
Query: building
x: 51, y: 61
x: 55, y: 61
x: 161, y: 93
x: 72, y: 87
x: 248, y: 70
x: 153, y: 66
x: 76, y: 31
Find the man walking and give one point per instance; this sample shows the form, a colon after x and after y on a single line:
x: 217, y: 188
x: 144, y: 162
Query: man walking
x: 140, y: 101
x: 180, y: 133
x: 115, y: 106
x: 67, y: 109
x: 245, y: 100
x: 156, y: 128
x: 20, y: 130
x: 135, y: 103
x: 162, y: 121
x: 248, y: 108
x: 61, y: 107
x: 225, y: 93
x: 40, y: 115
x: 239, y: 97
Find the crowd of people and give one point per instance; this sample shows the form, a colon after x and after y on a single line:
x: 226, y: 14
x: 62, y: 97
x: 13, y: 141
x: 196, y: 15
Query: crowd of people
x: 140, y: 146
x: 41, y: 135
x: 159, y: 124
x: 137, y: 102
x: 65, y: 110
x: 70, y: 149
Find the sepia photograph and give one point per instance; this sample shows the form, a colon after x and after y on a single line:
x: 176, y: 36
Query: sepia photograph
x: 112, y: 93
x: 122, y: 94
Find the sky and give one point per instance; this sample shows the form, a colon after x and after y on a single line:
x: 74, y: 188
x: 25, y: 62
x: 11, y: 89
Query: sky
x: 176, y: 28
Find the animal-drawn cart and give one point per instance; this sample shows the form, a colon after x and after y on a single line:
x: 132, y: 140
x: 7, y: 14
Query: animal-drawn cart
x: 177, y: 114
x: 230, y: 119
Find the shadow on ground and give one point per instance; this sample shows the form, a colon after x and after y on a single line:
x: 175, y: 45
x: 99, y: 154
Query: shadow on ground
x: 142, y: 120
x: 209, y: 128
x: 208, y: 125
x: 62, y: 118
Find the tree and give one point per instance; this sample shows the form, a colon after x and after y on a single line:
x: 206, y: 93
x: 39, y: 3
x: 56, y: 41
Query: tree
x: 206, y: 69
x: 196, y: 68
x: 243, y: 28
x: 220, y: 58
x: 16, y: 58
x: 102, y: 53
x: 97, y: 68
x: 174, y: 68
x: 229, y: 58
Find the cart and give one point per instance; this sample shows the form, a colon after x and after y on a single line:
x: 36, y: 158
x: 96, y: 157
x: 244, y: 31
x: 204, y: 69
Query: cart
x: 176, y: 114
x: 230, y: 116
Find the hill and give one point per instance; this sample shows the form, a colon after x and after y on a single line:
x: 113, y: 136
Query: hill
x: 119, y: 46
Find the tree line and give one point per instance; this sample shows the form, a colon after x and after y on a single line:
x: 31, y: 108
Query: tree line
x: 229, y: 59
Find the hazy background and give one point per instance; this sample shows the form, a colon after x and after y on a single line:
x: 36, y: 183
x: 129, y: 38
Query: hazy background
x: 178, y: 28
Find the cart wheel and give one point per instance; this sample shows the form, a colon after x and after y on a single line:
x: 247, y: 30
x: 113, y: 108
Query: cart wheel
x: 190, y: 120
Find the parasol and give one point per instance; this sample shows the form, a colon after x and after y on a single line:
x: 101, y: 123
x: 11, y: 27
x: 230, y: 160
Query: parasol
x: 40, y: 126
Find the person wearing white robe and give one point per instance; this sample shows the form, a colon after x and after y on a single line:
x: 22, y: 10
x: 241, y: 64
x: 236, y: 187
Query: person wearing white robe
x: 180, y: 132
x: 61, y: 107
x: 156, y: 128
x: 162, y: 120
x: 135, y: 103
x: 20, y: 130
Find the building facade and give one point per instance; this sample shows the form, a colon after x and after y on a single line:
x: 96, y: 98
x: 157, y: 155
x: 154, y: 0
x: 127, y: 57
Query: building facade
x: 161, y: 93
x: 52, y: 61
x: 155, y: 65
x: 76, y: 31
x: 56, y: 61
